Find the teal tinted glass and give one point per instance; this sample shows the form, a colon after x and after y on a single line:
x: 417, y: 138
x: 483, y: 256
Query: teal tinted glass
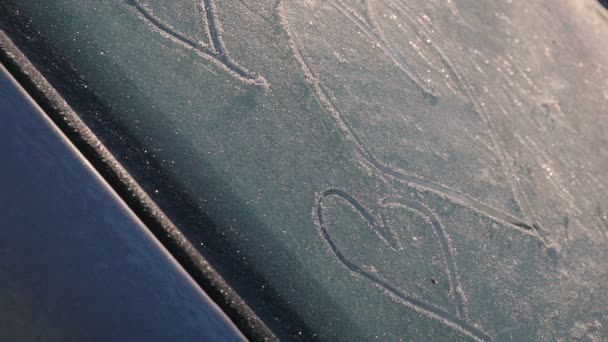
x: 382, y: 169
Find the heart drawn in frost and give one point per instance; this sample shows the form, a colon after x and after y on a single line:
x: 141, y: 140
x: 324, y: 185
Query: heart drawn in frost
x: 389, y: 251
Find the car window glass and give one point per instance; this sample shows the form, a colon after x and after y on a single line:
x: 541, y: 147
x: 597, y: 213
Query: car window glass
x: 362, y: 169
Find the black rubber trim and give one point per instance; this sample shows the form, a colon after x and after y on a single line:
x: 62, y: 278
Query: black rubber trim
x: 129, y: 190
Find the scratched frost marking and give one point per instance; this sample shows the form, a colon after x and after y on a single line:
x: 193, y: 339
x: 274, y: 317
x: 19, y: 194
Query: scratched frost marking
x: 208, y: 43
x: 405, y: 230
x: 398, y: 87
x: 400, y: 121
x: 403, y: 120
x: 411, y: 113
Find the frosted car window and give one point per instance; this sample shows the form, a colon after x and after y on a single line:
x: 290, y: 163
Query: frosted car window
x: 361, y: 169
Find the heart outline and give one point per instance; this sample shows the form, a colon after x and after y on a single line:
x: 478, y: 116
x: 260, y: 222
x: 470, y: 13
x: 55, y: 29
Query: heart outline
x: 460, y: 320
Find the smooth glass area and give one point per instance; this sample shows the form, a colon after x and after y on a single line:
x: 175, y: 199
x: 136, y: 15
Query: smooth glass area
x: 362, y: 169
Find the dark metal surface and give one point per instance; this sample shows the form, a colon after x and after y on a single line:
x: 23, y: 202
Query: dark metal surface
x: 75, y: 263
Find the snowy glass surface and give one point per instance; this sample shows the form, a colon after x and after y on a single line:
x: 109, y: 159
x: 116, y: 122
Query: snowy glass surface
x: 392, y: 169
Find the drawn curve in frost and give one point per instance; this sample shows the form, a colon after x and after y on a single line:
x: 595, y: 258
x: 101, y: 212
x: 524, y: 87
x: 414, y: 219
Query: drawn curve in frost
x: 215, y: 52
x: 458, y: 321
x: 415, y: 181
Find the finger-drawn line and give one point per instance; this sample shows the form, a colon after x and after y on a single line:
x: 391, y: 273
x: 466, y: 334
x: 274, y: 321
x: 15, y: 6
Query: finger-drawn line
x: 166, y: 28
x: 376, y: 36
x: 518, y: 195
x: 426, y: 36
x: 414, y: 181
x: 460, y: 322
x: 555, y: 179
x: 214, y: 52
x: 444, y: 241
x: 383, y: 232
